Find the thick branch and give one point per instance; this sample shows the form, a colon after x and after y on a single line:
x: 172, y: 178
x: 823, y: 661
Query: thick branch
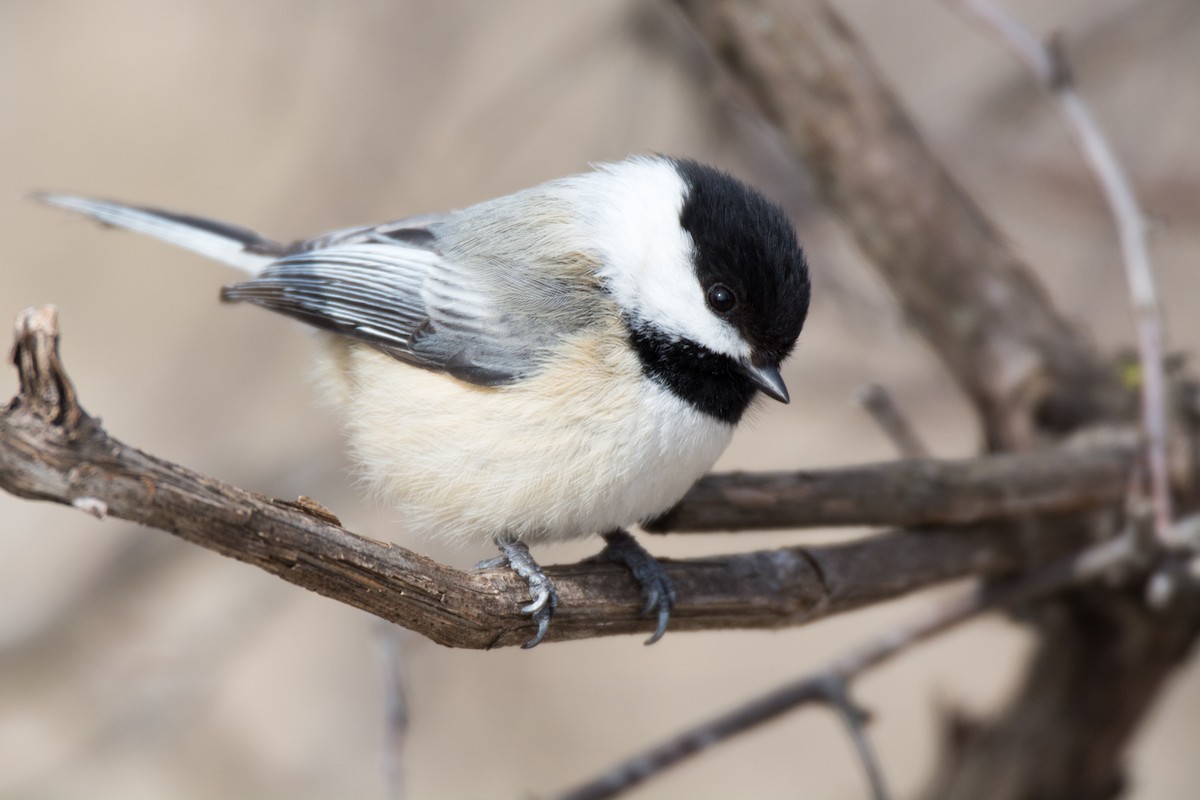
x: 911, y: 492
x: 1105, y: 657
x: 50, y: 449
x: 957, y: 279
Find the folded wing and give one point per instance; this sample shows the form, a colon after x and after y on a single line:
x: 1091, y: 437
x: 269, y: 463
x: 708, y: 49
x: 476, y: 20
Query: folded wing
x: 405, y: 300
x: 488, y: 322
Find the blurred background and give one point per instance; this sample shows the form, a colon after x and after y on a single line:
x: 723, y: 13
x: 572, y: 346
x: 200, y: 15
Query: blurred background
x: 135, y: 666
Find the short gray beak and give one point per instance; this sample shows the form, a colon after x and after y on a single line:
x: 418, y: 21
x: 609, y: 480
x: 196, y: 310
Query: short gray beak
x: 769, y: 380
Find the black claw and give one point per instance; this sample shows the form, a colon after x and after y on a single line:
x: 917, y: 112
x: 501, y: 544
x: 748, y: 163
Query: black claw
x: 538, y: 604
x: 664, y: 616
x: 543, y: 626
x: 541, y: 591
x: 652, y: 579
x: 651, y: 603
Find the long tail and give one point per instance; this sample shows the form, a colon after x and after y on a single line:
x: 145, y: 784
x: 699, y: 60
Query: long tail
x: 228, y: 244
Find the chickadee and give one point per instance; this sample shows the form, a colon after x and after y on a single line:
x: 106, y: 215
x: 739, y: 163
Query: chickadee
x: 560, y: 362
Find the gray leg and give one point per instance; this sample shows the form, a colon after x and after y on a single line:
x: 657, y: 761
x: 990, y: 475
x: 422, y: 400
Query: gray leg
x: 651, y: 578
x: 545, y: 600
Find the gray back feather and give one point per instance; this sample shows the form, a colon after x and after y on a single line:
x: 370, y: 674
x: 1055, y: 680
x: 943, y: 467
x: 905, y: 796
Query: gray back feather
x: 484, y: 294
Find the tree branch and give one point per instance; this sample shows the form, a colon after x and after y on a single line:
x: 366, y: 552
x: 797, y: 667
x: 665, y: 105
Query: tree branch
x: 1048, y: 63
x: 911, y: 492
x: 877, y: 401
x: 824, y: 685
x: 51, y: 449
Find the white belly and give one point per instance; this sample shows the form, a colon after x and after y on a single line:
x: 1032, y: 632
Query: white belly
x: 583, y: 448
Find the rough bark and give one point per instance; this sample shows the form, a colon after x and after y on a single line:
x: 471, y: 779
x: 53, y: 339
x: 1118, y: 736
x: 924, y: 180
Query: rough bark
x: 911, y: 492
x: 51, y: 449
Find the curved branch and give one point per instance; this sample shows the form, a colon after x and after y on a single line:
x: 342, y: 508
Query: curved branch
x: 51, y: 449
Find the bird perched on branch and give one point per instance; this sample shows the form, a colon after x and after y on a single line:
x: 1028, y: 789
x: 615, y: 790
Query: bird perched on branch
x: 559, y: 362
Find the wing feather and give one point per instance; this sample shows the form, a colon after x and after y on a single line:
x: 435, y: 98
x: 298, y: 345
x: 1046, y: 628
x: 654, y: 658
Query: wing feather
x: 406, y: 300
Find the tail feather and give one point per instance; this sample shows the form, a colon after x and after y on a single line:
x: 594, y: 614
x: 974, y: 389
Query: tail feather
x: 228, y: 244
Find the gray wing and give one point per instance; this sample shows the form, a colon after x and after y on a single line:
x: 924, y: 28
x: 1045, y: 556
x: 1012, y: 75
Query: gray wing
x: 390, y: 287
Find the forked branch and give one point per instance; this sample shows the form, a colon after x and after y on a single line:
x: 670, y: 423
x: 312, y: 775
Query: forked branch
x: 828, y: 685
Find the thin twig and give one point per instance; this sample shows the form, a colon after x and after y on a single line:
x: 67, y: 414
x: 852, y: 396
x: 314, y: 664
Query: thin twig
x: 878, y: 402
x: 1048, y: 64
x: 856, y: 720
x: 1072, y: 571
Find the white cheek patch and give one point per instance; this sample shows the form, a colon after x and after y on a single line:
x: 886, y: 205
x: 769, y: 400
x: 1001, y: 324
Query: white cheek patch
x: 648, y: 263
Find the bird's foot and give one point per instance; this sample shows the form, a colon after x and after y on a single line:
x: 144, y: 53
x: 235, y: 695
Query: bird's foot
x: 651, y: 577
x: 516, y: 557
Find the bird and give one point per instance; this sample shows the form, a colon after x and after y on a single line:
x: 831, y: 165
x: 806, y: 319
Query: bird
x: 560, y: 362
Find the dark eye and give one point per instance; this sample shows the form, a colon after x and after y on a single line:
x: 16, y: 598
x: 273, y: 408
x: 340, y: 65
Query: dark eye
x: 721, y: 298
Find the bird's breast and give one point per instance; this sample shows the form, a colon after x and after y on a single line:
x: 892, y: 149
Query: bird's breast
x: 585, y: 445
